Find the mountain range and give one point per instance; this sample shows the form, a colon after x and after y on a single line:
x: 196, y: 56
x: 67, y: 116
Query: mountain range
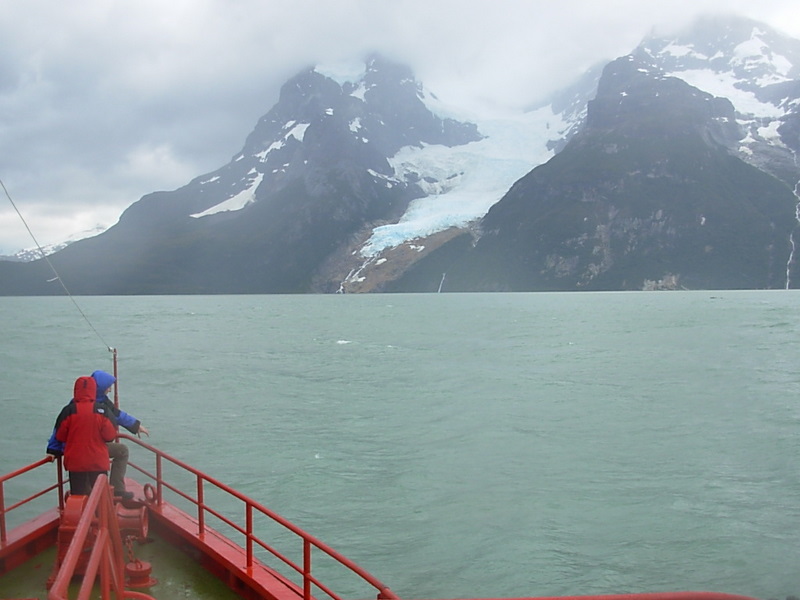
x: 672, y: 167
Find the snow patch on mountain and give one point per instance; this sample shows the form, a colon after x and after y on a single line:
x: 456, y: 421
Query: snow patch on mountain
x: 237, y: 201
x: 35, y: 253
x: 727, y: 85
x: 754, y: 54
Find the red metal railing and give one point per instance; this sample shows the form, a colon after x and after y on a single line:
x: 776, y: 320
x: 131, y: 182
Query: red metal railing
x: 309, y: 543
x: 4, y: 510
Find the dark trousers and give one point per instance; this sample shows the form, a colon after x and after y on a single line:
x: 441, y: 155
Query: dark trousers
x: 82, y: 482
x: 118, y: 453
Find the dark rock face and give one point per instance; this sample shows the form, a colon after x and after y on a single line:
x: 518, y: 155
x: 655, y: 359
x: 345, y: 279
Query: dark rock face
x: 313, y: 172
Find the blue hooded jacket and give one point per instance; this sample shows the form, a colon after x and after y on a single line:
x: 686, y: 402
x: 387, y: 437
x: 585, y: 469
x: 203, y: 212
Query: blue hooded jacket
x: 118, y: 417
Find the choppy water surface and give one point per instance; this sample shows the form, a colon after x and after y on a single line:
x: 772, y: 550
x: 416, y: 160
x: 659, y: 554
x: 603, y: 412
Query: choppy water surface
x: 464, y: 444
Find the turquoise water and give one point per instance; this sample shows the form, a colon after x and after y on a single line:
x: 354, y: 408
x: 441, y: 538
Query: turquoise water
x: 464, y: 445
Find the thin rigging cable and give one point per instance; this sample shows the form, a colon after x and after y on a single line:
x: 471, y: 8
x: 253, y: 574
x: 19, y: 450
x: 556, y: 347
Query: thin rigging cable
x: 52, y: 268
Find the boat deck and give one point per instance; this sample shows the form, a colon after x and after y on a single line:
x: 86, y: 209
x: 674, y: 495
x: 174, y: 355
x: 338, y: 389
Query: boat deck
x: 216, y: 553
x: 179, y: 577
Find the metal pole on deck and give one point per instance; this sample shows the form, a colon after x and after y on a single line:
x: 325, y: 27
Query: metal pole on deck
x: 116, y: 377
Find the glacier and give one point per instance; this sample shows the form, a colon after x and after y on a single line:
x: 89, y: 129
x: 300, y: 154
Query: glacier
x: 468, y: 180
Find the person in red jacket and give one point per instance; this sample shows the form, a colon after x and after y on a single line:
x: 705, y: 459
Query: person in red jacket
x: 84, y: 428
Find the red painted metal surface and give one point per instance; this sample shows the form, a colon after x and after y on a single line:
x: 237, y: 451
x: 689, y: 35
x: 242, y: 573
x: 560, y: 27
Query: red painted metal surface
x: 70, y: 519
x: 29, y: 539
x: 4, y: 510
x: 32, y: 536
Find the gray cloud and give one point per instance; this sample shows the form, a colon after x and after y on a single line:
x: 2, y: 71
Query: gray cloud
x: 102, y: 102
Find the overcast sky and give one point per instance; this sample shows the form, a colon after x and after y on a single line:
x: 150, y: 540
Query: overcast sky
x: 104, y: 101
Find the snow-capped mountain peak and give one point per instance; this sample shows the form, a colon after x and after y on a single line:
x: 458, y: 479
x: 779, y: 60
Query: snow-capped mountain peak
x: 754, y: 67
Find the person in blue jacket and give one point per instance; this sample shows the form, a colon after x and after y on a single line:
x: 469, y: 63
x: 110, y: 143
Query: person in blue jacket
x: 117, y: 452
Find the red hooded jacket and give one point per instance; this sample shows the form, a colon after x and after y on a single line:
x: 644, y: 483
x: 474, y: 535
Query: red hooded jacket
x: 85, y: 429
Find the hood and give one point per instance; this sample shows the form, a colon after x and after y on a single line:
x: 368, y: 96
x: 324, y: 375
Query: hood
x: 104, y: 381
x: 85, y: 389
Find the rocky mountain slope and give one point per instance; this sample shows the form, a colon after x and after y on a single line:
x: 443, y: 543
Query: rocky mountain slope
x: 646, y: 195
x: 674, y: 166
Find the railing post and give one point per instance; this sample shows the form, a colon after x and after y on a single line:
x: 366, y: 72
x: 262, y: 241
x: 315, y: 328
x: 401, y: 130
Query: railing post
x: 116, y: 377
x: 249, y: 528
x: 159, y: 479
x: 60, y: 471
x: 2, y: 515
x: 306, y: 569
x: 201, y: 517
